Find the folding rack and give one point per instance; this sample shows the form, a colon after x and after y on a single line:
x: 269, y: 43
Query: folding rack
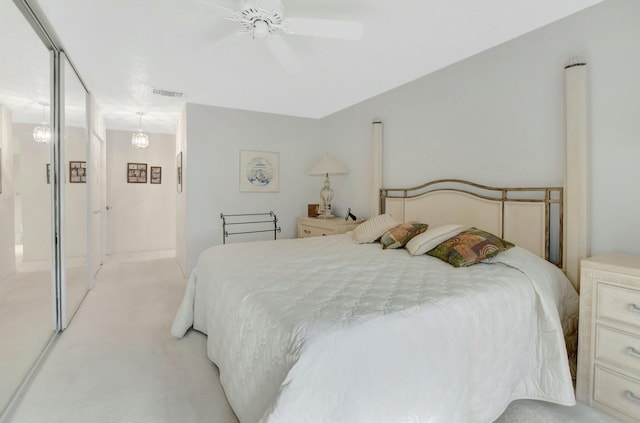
x: 273, y: 221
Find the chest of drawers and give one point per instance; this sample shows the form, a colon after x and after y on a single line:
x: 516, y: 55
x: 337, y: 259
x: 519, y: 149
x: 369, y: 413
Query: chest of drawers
x: 309, y: 226
x: 609, y: 338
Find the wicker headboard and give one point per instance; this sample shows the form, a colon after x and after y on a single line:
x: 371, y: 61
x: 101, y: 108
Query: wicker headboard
x: 528, y: 217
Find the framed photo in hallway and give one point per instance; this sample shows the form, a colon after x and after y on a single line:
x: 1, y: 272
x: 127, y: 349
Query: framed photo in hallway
x: 156, y: 175
x: 78, y: 172
x: 137, y: 173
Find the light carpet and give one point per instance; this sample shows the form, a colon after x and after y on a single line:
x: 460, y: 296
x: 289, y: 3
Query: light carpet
x: 117, y: 362
x: 25, y: 327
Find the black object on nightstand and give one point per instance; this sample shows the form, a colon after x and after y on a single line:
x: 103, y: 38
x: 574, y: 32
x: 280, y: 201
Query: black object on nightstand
x: 350, y: 215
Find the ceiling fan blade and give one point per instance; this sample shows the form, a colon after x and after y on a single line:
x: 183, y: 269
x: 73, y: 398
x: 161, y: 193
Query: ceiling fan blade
x: 226, y: 5
x: 284, y: 54
x: 342, y: 30
x: 269, y: 4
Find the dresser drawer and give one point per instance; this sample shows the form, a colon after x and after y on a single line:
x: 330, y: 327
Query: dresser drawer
x: 308, y: 231
x: 618, y: 304
x: 308, y: 227
x: 616, y: 391
x: 618, y: 347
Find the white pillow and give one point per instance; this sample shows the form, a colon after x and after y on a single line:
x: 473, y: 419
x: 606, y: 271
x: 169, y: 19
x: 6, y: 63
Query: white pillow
x: 373, y: 228
x: 430, y: 239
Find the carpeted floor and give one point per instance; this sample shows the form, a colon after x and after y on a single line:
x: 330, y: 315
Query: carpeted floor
x: 26, y: 323
x: 117, y: 362
x: 27, y: 320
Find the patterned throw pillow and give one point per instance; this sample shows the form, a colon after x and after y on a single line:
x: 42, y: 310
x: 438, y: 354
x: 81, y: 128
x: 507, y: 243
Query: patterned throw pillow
x: 469, y: 247
x: 398, y: 236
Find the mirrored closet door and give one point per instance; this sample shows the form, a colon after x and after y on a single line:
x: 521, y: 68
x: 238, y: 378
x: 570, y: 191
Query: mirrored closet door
x: 74, y: 155
x: 27, y: 312
x: 44, y: 191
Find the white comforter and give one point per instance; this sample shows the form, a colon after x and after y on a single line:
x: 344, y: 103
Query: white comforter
x: 323, y: 330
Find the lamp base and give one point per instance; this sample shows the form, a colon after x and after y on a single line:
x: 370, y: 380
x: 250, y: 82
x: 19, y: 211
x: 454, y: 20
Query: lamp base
x: 324, y: 211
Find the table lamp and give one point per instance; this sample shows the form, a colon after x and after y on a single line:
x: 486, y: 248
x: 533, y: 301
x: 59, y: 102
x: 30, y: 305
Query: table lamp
x: 327, y: 165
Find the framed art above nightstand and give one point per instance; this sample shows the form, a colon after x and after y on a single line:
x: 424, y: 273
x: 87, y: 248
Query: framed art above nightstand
x: 311, y: 226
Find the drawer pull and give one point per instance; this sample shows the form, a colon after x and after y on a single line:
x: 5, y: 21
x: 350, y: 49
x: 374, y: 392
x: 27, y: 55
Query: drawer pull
x: 307, y: 231
x: 634, y: 308
x: 632, y: 397
x: 633, y: 352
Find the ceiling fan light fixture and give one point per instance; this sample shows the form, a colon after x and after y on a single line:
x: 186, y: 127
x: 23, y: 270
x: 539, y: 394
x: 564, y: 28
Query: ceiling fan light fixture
x: 260, y: 29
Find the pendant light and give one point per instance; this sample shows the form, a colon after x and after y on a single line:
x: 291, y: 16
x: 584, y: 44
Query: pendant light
x: 42, y: 132
x: 140, y: 139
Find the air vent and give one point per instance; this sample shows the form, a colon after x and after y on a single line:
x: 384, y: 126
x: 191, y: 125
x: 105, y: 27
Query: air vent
x: 167, y: 93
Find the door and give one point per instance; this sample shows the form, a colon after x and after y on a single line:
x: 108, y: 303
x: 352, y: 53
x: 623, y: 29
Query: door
x: 95, y: 193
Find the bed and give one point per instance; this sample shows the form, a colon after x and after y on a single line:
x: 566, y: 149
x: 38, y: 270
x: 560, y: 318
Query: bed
x: 327, y: 330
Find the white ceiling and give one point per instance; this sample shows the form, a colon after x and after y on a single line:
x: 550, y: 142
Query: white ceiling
x: 125, y: 48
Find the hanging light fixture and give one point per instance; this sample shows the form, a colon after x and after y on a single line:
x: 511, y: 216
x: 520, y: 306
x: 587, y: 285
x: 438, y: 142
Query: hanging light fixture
x: 140, y: 139
x: 42, y: 132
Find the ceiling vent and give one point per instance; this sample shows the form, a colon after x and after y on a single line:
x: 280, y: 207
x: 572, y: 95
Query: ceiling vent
x: 167, y: 93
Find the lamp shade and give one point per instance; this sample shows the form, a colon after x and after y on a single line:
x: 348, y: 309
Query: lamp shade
x: 327, y: 165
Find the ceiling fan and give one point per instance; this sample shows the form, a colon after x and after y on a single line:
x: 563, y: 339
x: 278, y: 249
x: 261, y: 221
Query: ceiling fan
x: 264, y: 20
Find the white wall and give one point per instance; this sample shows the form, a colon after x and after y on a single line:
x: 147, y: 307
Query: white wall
x: 497, y: 118
x: 181, y: 197
x: 7, y: 234
x: 35, y: 194
x: 142, y: 216
x: 215, y: 137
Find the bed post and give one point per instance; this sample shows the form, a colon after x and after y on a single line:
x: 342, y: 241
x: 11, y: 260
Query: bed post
x: 576, y: 173
x: 376, y: 168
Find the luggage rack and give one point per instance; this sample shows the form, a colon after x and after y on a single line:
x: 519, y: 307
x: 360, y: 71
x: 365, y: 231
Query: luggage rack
x: 249, y: 219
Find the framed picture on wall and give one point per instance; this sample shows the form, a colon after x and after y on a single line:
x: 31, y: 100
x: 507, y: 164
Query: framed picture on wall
x: 179, y: 171
x: 156, y: 175
x: 137, y: 173
x: 48, y: 173
x: 259, y: 171
x: 77, y: 172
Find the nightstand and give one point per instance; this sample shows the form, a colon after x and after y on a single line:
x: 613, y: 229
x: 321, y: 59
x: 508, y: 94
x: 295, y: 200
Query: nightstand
x: 310, y: 226
x: 609, y: 338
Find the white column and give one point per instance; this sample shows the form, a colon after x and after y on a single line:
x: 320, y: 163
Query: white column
x: 376, y: 167
x: 576, y: 175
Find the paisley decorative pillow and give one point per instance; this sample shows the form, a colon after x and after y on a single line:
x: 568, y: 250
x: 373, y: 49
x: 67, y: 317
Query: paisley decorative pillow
x: 470, y: 247
x: 398, y: 236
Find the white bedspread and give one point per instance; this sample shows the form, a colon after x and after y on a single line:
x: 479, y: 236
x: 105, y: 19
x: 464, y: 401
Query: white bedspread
x: 323, y: 330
